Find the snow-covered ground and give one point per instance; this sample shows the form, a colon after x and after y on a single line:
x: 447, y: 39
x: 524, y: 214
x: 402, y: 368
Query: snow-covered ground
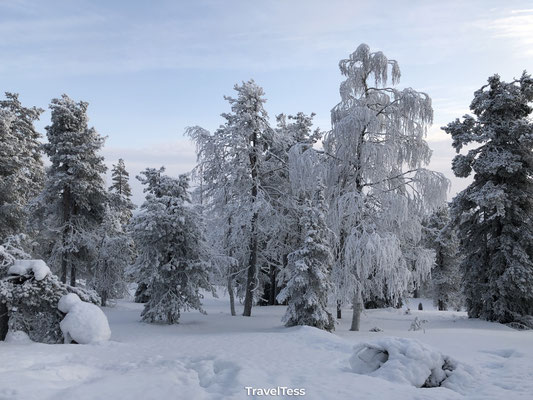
x: 216, y: 356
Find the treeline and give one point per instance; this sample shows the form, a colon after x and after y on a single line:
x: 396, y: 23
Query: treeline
x: 285, y: 213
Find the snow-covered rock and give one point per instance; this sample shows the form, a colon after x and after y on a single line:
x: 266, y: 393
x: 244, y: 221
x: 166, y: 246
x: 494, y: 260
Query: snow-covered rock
x: 402, y: 360
x: 23, y: 267
x: 18, y: 337
x: 84, y: 323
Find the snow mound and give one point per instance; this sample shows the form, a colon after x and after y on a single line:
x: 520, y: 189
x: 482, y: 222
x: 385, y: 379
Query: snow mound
x: 23, y: 267
x: 408, y: 361
x: 17, y: 337
x: 67, y: 302
x: 84, y: 323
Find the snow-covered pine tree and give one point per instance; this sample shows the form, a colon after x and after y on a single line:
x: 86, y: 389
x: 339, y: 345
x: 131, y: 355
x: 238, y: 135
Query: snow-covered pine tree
x: 72, y: 204
x: 307, y: 273
x: 232, y: 160
x: 446, y: 276
x: 171, y: 248
x: 114, y: 254
x: 21, y: 166
x: 120, y: 192
x: 377, y: 186
x: 494, y: 214
x: 282, y: 237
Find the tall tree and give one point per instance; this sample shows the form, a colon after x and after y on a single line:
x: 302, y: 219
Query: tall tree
x: 171, y: 249
x: 233, y: 165
x: 73, y: 201
x: 494, y: 213
x: 377, y: 185
x: 120, y: 192
x: 21, y: 166
x: 446, y: 276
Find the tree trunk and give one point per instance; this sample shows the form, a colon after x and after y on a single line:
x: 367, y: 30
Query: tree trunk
x: 104, y: 298
x: 272, y: 294
x: 357, y: 309
x: 66, y: 217
x: 339, y: 311
x: 72, y: 275
x: 250, y: 279
x: 4, y: 320
x: 64, y: 266
x: 231, y: 296
x: 415, y: 294
x: 250, y: 282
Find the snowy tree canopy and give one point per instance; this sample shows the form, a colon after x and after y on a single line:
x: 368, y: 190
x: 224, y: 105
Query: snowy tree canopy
x: 21, y: 166
x: 494, y: 213
x: 172, y: 260
x: 72, y: 204
x: 232, y: 164
x: 446, y: 276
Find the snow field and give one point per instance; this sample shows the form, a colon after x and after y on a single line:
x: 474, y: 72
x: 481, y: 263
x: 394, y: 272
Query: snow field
x: 216, y: 356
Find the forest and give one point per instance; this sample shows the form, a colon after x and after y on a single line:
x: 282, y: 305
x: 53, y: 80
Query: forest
x: 279, y: 225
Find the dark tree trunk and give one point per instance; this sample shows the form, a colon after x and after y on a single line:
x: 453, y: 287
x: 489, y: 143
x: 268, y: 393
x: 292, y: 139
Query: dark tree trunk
x: 72, y: 275
x: 231, y: 295
x: 252, y: 267
x: 4, y: 319
x: 66, y: 217
x: 339, y: 311
x: 273, y: 288
x: 250, y: 279
x: 104, y: 298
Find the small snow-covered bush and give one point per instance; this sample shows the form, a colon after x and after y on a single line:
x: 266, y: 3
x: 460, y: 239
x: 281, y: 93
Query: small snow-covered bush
x: 84, y: 323
x: 29, y: 297
x: 403, y: 361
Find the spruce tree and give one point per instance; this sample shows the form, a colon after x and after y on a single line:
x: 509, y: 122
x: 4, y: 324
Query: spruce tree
x: 171, y: 249
x: 307, y: 273
x: 21, y: 166
x: 494, y: 213
x: 120, y: 192
x: 72, y: 204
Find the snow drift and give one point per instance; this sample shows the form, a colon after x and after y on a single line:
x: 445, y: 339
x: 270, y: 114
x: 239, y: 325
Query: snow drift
x: 84, y: 323
x: 408, y: 361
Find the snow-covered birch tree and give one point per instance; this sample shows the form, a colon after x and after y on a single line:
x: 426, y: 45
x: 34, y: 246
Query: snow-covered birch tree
x: 494, y: 214
x: 377, y: 184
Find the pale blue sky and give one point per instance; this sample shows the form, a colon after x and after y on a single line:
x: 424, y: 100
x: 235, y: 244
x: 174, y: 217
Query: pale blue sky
x: 151, y: 68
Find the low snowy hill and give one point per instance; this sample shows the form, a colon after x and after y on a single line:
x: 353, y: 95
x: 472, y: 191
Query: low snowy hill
x: 217, y: 356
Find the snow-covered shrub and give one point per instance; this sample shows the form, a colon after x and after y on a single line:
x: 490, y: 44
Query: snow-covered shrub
x: 30, y: 295
x: 84, y: 323
x: 11, y: 250
x: 417, y: 324
x: 404, y: 361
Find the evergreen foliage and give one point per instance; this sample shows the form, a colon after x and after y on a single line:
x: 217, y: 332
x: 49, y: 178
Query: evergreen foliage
x: 493, y: 215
